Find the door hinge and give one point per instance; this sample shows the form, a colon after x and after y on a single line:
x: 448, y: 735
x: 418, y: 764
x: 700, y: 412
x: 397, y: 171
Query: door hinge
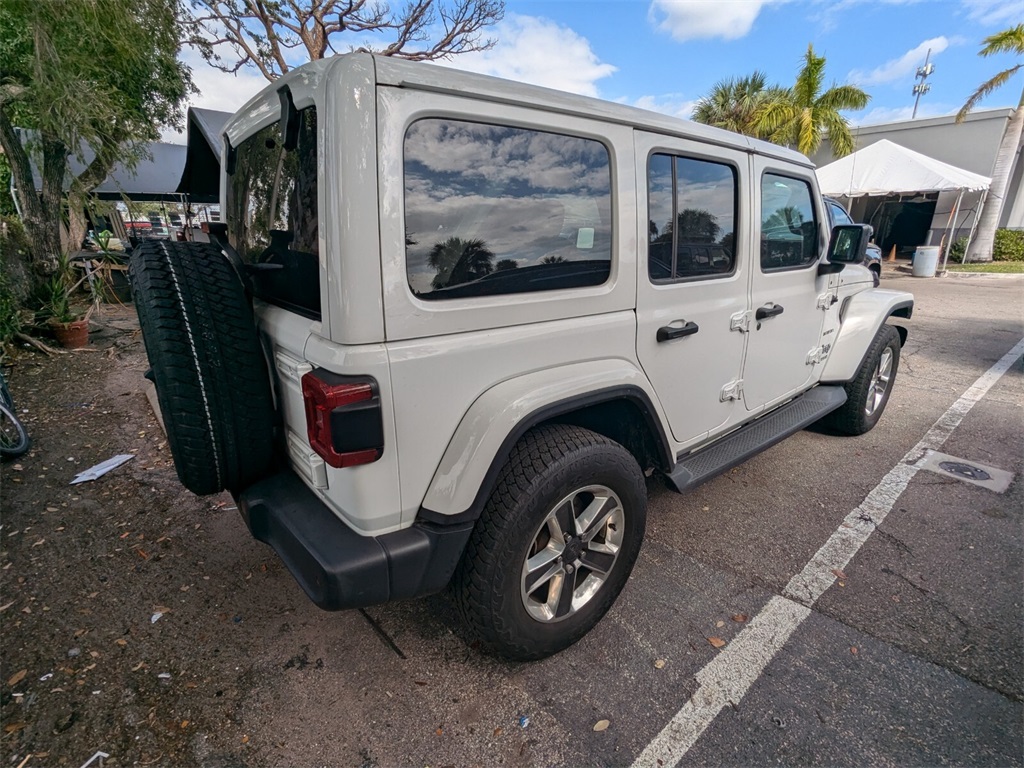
x: 818, y: 354
x: 740, y: 322
x: 827, y: 300
x: 732, y: 391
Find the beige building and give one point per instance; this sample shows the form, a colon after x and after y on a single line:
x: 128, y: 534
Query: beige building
x: 972, y: 145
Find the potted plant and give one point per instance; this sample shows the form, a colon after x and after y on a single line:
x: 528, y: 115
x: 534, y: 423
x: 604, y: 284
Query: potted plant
x: 69, y: 325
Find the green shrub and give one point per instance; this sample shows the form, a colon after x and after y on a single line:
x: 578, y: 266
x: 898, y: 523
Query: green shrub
x: 1009, y: 245
x: 957, y: 250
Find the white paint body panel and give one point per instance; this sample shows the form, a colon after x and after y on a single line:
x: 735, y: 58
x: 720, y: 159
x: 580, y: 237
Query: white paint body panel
x: 456, y: 376
x: 689, y: 373
x: 496, y: 413
x: 864, y: 315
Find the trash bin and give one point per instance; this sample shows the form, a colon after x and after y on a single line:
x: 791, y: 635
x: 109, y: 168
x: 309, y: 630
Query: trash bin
x: 926, y: 259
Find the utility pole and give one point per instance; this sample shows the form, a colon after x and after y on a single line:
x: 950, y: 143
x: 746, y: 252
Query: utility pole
x: 922, y: 88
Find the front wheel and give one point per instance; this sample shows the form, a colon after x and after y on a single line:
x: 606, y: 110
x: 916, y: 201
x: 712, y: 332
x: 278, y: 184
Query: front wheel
x: 868, y: 393
x: 555, y: 543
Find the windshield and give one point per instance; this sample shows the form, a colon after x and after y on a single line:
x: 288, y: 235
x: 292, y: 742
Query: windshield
x: 272, y: 215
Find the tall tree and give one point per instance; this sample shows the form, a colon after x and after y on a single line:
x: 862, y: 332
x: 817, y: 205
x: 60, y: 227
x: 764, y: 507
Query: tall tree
x: 800, y: 116
x: 733, y: 104
x: 459, y: 261
x: 1008, y: 41
x: 266, y: 34
x: 93, y: 79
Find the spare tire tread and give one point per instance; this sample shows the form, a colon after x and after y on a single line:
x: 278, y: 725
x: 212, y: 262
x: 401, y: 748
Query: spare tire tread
x: 211, y: 376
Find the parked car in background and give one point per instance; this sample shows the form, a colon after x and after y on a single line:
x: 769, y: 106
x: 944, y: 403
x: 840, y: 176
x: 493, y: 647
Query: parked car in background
x: 837, y: 214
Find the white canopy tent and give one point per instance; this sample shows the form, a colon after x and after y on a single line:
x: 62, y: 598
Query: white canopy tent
x: 885, y: 168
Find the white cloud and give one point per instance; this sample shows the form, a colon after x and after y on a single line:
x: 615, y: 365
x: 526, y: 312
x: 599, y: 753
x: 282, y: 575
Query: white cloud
x: 541, y: 52
x: 902, y: 67
x: 217, y: 90
x: 696, y: 19
x: 993, y: 11
x: 672, y: 104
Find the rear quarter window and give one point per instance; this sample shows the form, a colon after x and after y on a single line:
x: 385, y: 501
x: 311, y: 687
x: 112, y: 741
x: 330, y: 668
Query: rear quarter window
x: 492, y: 210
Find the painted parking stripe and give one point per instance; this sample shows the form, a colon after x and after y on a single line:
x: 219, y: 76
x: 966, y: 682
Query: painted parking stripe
x: 726, y: 679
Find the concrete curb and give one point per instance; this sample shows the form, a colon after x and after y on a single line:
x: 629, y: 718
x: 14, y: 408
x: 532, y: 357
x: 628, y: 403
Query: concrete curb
x: 905, y: 271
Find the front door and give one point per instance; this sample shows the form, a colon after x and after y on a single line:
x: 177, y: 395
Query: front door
x: 693, y: 277
x: 786, y: 292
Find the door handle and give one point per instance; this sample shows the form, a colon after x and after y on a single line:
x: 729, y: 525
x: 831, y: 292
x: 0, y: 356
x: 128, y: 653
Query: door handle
x: 669, y: 332
x: 769, y: 310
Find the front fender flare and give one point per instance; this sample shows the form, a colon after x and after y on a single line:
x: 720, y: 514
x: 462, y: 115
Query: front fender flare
x: 501, y: 415
x: 861, y: 318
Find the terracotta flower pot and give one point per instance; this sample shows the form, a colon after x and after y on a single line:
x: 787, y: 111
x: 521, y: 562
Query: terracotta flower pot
x: 73, y: 335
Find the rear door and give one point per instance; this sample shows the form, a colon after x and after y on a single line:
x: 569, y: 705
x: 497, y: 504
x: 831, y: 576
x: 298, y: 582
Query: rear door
x: 693, y: 277
x: 787, y: 294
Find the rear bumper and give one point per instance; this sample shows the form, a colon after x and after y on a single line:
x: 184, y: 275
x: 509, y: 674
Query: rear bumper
x: 336, y: 566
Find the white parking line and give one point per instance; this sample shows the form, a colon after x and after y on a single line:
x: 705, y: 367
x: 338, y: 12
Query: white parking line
x: 728, y: 677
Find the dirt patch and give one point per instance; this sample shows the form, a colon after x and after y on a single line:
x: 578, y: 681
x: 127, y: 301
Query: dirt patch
x: 115, y: 635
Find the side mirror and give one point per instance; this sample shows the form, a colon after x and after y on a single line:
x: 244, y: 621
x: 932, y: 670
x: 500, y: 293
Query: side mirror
x: 849, y: 243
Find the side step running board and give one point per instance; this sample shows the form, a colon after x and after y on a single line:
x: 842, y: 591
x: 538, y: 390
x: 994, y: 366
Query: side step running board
x: 755, y: 437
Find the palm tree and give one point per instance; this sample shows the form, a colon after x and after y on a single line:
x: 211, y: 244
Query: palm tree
x: 1008, y: 41
x: 802, y: 115
x: 459, y: 261
x: 732, y: 104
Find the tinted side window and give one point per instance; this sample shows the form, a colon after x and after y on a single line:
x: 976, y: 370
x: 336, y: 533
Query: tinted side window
x: 272, y: 214
x: 839, y: 215
x: 692, y: 227
x: 496, y: 210
x: 789, y: 232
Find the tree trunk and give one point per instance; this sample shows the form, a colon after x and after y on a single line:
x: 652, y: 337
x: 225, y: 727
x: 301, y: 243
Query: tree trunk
x: 39, y: 214
x: 55, y: 163
x: 988, y: 221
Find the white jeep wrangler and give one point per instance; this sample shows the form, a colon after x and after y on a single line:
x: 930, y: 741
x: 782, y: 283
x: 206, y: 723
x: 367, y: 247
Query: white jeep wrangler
x: 450, y: 322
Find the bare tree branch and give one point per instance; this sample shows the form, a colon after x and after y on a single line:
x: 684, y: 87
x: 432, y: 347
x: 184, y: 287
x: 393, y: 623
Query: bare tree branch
x: 232, y: 34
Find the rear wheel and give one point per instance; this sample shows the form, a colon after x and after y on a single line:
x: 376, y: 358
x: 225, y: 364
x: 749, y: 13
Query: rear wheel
x: 207, y: 362
x: 555, y: 543
x: 868, y: 393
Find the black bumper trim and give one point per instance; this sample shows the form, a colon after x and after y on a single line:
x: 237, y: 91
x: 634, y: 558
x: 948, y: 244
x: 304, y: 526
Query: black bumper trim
x: 337, y: 567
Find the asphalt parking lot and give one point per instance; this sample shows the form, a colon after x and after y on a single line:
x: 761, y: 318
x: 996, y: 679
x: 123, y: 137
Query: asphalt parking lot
x: 718, y: 652
x: 916, y: 657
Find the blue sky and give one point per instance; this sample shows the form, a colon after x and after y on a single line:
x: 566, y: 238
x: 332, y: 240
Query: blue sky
x: 665, y: 54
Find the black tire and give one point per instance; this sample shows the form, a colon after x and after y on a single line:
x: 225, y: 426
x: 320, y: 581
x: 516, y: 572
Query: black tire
x: 856, y: 417
x: 545, y: 465
x: 14, y: 440
x: 207, y: 363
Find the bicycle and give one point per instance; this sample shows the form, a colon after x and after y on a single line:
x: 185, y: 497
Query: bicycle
x: 14, y: 439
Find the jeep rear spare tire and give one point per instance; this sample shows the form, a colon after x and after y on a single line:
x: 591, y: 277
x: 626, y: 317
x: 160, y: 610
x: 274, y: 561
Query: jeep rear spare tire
x: 207, y: 363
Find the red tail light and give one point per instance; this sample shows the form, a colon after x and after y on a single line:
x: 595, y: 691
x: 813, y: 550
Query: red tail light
x: 343, y: 418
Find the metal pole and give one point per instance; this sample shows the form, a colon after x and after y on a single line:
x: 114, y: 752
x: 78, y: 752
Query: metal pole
x: 974, y: 224
x: 951, y: 232
x: 921, y: 88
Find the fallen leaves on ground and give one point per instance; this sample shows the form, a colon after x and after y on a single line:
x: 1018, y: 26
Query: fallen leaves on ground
x: 717, y: 642
x: 17, y: 677
x: 601, y: 725
x: 659, y: 663
x: 739, y: 617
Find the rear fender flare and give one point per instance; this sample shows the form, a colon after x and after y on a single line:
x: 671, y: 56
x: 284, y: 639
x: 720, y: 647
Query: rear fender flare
x: 484, y: 438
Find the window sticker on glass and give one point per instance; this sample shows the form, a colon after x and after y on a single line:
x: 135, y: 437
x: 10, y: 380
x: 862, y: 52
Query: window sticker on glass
x: 493, y: 210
